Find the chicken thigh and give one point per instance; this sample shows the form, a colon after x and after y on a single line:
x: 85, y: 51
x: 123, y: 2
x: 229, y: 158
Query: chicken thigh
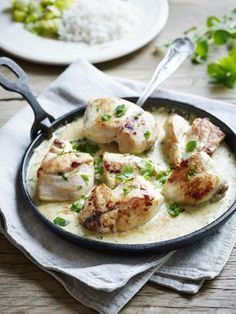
x: 64, y: 175
x: 207, y: 135
x: 195, y: 181
x: 112, y: 119
x: 176, y: 129
x: 131, y: 203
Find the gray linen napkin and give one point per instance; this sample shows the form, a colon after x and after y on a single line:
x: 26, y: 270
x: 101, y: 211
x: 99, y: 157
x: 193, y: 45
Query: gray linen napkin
x: 103, y: 282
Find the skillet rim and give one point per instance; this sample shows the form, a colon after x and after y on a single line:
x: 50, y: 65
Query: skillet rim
x: 119, y: 248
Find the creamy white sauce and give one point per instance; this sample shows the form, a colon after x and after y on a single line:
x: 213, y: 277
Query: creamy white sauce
x: 162, y: 226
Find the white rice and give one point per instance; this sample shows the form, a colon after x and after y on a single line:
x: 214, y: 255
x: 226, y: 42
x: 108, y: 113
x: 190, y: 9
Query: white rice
x: 98, y: 21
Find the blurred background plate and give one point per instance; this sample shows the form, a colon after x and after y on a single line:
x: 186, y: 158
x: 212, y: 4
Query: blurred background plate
x: 21, y: 43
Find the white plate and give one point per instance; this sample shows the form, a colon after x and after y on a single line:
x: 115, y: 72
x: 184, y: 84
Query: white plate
x: 21, y: 43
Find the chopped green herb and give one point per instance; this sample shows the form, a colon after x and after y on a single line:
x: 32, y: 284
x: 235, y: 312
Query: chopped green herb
x: 61, y: 222
x: 175, y: 209
x: 147, y: 169
x: 191, y: 173
x: 98, y: 165
x: 120, y: 110
x: 126, y: 174
x: 147, y: 135
x: 79, y: 187
x: 84, y: 146
x: 63, y: 175
x: 85, y: 177
x: 190, y: 146
x: 105, y: 117
x: 162, y: 177
x: 126, y: 190
x: 137, y: 115
x: 78, y: 206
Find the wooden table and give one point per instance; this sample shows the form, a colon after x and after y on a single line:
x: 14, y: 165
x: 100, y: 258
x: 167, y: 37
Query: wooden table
x: 24, y: 288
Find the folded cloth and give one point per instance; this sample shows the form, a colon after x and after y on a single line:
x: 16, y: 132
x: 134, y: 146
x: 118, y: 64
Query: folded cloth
x: 101, y: 281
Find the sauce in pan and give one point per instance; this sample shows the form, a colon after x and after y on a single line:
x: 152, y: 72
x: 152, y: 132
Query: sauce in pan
x: 162, y: 226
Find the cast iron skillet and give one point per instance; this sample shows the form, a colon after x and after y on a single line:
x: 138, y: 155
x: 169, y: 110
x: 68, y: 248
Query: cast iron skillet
x: 43, y: 127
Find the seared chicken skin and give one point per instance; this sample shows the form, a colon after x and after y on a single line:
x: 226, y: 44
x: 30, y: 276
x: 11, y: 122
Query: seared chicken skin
x: 64, y: 175
x: 178, y: 132
x: 131, y: 203
x: 176, y: 128
x: 109, y: 120
x: 195, y: 181
x: 207, y: 135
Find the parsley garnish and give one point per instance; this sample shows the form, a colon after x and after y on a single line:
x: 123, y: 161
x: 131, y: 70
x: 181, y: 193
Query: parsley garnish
x: 84, y: 146
x: 223, y: 71
x: 78, y: 206
x: 175, y: 209
x: 162, y: 177
x: 98, y: 165
x: 190, y: 146
x: 63, y: 175
x: 147, y: 135
x: 120, y: 110
x: 105, y: 117
x: 126, y: 174
x: 126, y: 190
x: 85, y: 177
x: 147, y: 169
x: 61, y: 222
x: 217, y: 32
x: 191, y: 173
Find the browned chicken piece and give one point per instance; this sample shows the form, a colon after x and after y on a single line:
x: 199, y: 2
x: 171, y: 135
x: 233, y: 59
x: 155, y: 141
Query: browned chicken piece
x: 131, y: 203
x: 207, y: 135
x: 117, y: 120
x: 195, y: 181
x: 176, y: 129
x: 64, y: 175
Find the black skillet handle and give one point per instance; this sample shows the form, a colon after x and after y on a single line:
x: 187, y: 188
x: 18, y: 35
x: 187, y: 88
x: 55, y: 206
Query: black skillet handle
x: 42, y: 120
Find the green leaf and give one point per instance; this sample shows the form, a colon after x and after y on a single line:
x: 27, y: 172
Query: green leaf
x: 61, y: 222
x: 212, y: 21
x: 220, y: 37
x: 105, y: 117
x: 201, y: 50
x: 175, y: 209
x: 147, y: 135
x: 192, y: 172
x: 120, y: 110
x: 78, y: 206
x: 147, y: 169
x: 85, y: 177
x: 63, y: 175
x: 127, y: 173
x: 126, y: 190
x: 85, y: 146
x: 98, y: 165
x: 190, y: 146
x: 223, y: 71
x: 162, y: 177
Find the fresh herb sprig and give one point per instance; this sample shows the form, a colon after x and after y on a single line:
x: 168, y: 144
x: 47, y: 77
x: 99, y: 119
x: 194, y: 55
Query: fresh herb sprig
x: 217, y: 32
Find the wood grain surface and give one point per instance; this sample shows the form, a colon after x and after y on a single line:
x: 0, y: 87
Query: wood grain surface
x: 24, y: 288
